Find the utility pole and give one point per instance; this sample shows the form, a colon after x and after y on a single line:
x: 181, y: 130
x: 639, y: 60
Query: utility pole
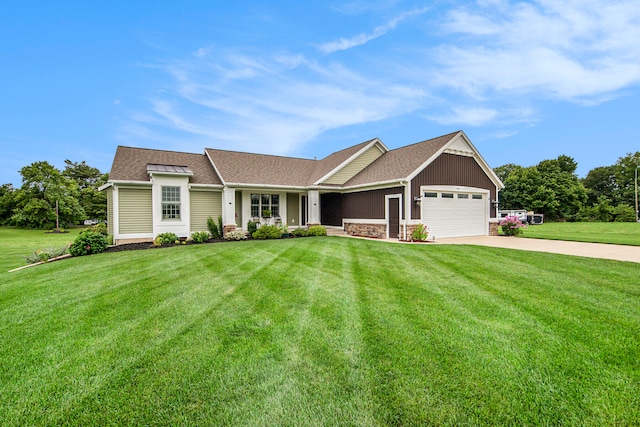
x: 636, y: 183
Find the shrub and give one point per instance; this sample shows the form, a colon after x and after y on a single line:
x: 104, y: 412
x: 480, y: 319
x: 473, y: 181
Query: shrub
x: 87, y: 243
x: 420, y: 233
x: 252, y: 227
x: 624, y: 213
x: 268, y: 232
x: 213, y: 228
x: 166, y: 239
x: 235, y: 235
x: 100, y: 228
x: 300, y: 232
x: 44, y: 255
x: 317, y: 230
x: 200, y: 236
x: 511, y: 226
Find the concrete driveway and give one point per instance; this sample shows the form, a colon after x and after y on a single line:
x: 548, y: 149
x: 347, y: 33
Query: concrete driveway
x: 591, y: 250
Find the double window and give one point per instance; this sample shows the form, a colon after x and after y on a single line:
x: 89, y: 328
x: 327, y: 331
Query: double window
x: 263, y: 202
x: 170, y: 202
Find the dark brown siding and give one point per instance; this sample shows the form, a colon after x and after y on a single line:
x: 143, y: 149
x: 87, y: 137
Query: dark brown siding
x: 449, y: 169
x: 331, y: 209
x: 367, y: 204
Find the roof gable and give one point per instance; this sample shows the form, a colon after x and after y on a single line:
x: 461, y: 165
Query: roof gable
x: 130, y: 164
x: 398, y: 164
x: 366, y: 154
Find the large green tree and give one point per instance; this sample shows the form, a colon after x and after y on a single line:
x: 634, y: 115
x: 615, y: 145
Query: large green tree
x: 614, y: 182
x: 7, y: 203
x: 44, y: 187
x: 551, y: 188
x: 89, y: 179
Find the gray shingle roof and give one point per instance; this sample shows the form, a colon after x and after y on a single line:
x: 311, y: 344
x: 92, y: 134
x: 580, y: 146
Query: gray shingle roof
x: 262, y: 169
x: 401, y: 162
x: 130, y: 164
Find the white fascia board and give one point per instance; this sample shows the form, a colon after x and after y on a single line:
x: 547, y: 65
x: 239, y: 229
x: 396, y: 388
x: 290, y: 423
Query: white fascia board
x: 265, y: 186
x: 215, y: 168
x: 136, y: 183
x: 476, y: 156
x: 432, y: 158
x: 206, y: 186
x: 481, y: 161
x: 373, y: 185
x: 105, y: 186
x: 335, y: 170
x: 180, y: 174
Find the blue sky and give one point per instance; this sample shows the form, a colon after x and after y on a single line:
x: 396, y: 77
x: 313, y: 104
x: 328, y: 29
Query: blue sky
x: 526, y: 80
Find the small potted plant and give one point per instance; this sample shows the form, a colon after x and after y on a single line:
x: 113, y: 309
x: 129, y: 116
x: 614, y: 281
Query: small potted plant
x: 266, y: 213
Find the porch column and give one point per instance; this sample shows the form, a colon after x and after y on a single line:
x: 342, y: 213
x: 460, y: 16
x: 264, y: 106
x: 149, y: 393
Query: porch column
x: 313, y: 207
x: 229, y: 209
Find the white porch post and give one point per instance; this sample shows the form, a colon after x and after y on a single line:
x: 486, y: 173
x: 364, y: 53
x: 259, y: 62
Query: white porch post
x: 229, y: 208
x: 313, y: 207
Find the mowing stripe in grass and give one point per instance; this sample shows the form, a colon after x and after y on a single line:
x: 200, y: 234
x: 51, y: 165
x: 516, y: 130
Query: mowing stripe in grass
x: 321, y: 331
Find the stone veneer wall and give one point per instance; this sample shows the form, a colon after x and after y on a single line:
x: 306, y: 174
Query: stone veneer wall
x: 493, y: 229
x: 227, y: 228
x: 366, y: 230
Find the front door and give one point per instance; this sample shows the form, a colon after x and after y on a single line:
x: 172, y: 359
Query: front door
x: 394, y: 217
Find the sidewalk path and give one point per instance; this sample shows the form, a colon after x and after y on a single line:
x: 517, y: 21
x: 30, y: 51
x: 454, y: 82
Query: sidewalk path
x: 591, y: 250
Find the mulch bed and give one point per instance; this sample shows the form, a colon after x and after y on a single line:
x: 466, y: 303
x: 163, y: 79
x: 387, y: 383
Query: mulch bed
x: 148, y: 245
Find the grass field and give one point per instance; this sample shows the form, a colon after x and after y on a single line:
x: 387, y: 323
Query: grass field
x: 321, y: 331
x: 622, y: 233
x: 16, y: 244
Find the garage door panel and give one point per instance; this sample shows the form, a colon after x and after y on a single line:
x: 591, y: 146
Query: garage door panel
x: 455, y: 217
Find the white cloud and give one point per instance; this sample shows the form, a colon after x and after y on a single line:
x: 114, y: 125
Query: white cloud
x: 467, y: 116
x: 487, y: 64
x: 270, y: 105
x: 360, y: 39
x: 573, y: 50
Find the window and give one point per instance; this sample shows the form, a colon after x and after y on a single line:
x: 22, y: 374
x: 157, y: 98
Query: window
x: 430, y: 194
x: 463, y: 196
x: 476, y: 196
x: 447, y: 195
x: 260, y: 202
x: 170, y: 202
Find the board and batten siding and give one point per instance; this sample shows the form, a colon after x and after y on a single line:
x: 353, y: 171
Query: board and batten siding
x: 135, y: 210
x: 204, y: 204
x: 353, y: 168
x: 368, y: 204
x: 110, y: 211
x: 451, y: 169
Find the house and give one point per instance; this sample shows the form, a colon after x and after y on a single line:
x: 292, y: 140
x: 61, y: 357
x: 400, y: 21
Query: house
x: 365, y: 189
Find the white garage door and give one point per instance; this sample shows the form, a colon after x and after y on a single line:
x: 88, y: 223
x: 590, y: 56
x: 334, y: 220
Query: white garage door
x: 455, y: 213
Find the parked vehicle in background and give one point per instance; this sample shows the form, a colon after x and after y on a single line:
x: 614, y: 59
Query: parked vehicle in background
x: 521, y: 214
x: 91, y: 221
x: 524, y: 216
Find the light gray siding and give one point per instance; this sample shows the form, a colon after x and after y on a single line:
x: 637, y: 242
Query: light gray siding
x: 135, y: 211
x: 204, y: 204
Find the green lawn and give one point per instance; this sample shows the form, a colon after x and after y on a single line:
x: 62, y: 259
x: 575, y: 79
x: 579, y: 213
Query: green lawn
x: 16, y: 244
x: 622, y: 233
x: 321, y: 331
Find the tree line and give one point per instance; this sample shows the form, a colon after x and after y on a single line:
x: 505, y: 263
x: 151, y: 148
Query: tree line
x: 74, y: 191
x: 552, y: 188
